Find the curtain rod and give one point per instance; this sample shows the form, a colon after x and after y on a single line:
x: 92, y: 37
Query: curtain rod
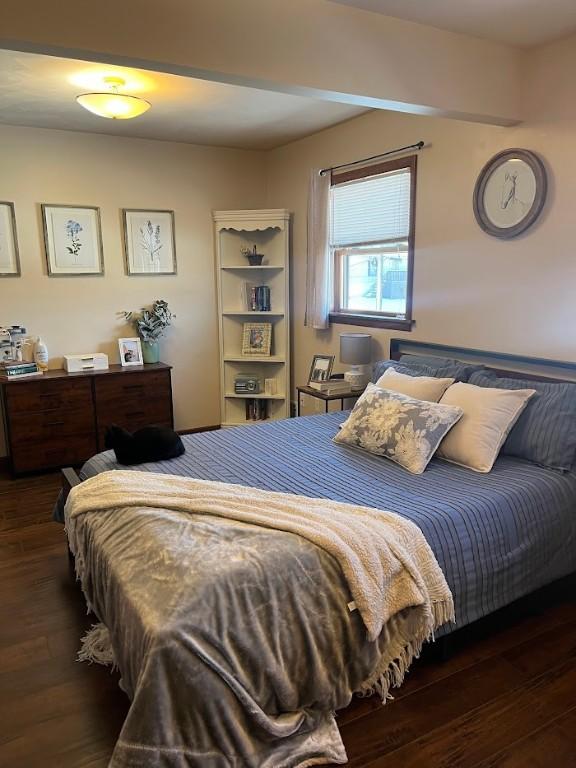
x: 419, y: 145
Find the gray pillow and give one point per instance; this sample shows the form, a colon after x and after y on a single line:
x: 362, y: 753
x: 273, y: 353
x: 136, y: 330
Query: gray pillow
x: 396, y: 426
x: 445, y: 370
x: 545, y: 432
x: 441, y: 366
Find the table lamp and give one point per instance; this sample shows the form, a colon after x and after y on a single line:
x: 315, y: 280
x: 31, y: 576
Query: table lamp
x: 355, y: 349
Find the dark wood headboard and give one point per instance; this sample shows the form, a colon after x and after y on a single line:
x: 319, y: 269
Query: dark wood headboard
x: 515, y: 366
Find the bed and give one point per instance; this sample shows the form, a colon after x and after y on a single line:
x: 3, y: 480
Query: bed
x: 497, y: 536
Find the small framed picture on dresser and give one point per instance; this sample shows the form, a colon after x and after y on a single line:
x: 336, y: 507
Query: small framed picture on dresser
x: 9, y: 260
x: 130, y: 351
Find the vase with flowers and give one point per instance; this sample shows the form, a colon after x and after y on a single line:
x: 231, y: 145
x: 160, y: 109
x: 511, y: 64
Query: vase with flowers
x: 150, y: 324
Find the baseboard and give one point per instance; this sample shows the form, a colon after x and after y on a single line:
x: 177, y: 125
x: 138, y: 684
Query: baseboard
x: 210, y: 428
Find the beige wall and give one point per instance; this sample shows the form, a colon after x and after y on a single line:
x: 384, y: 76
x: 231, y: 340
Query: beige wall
x: 469, y: 289
x: 76, y: 315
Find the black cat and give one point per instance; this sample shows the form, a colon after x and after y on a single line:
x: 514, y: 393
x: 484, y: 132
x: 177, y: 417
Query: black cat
x: 146, y: 444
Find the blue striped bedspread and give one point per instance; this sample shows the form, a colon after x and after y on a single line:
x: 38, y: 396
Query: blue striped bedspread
x: 496, y: 536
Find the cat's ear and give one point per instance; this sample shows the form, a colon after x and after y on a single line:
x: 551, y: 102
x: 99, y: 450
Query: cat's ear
x: 113, y: 436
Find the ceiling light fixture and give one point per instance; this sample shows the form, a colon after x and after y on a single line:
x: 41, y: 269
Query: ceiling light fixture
x: 113, y: 104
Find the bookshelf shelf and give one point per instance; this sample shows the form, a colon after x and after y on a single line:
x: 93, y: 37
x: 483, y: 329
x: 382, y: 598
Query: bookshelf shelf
x: 253, y: 359
x: 251, y: 313
x: 261, y: 396
x: 247, y: 267
x: 237, y: 282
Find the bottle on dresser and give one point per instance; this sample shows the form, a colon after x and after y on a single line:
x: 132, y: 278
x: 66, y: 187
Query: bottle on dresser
x: 41, y: 355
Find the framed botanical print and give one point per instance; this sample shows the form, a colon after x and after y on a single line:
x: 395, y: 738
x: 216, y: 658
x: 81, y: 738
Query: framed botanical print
x: 149, y: 242
x: 73, y: 240
x: 9, y: 260
x: 256, y: 339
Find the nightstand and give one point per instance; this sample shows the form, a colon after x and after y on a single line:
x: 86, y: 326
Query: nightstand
x: 327, y: 398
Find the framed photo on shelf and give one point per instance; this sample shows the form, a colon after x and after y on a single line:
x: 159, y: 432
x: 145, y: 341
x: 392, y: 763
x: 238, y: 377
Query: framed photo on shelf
x: 257, y: 339
x: 321, y: 368
x: 73, y: 240
x: 149, y: 242
x: 9, y: 259
x: 130, y: 351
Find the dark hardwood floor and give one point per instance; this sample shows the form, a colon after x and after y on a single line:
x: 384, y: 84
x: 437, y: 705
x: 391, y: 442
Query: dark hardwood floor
x: 505, y: 700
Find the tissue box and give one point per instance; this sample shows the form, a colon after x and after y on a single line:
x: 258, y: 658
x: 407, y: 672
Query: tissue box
x: 78, y: 363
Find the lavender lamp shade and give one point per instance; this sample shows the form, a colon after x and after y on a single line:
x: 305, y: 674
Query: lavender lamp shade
x: 355, y: 348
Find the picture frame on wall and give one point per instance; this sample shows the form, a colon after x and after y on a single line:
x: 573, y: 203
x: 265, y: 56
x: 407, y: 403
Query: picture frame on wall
x: 72, y: 240
x: 9, y: 257
x: 149, y: 242
x: 130, y: 351
x: 256, y: 339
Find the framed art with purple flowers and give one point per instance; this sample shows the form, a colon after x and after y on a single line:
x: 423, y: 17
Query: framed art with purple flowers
x: 73, y: 240
x: 149, y: 242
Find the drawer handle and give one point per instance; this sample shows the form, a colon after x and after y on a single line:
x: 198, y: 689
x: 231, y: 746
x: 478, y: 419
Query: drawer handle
x: 55, y: 424
x: 49, y: 394
x: 134, y: 414
x: 132, y: 386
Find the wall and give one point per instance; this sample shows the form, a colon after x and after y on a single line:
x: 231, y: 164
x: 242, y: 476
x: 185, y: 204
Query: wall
x: 469, y: 289
x: 76, y: 314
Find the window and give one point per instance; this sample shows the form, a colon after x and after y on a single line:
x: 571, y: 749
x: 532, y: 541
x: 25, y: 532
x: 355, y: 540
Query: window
x: 372, y: 244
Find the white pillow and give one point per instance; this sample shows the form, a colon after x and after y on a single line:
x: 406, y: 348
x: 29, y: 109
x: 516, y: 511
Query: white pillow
x: 489, y: 415
x: 419, y: 387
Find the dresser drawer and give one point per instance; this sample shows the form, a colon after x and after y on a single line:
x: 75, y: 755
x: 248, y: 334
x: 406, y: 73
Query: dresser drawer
x: 133, y: 416
x: 133, y: 401
x: 58, y: 452
x: 32, y: 396
x: 139, y: 388
x: 50, y: 425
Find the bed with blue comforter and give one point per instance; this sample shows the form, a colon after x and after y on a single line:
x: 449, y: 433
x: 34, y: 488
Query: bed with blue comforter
x: 496, y: 536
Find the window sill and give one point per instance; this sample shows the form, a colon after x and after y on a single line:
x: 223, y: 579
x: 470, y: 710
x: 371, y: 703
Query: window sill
x: 371, y: 321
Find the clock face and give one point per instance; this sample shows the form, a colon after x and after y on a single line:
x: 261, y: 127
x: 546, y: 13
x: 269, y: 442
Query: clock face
x: 510, y: 193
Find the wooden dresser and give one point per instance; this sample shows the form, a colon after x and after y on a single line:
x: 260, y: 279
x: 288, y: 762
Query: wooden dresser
x: 60, y: 419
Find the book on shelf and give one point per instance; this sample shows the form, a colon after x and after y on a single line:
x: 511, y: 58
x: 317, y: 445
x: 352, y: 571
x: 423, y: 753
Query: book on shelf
x: 257, y: 297
x: 256, y: 410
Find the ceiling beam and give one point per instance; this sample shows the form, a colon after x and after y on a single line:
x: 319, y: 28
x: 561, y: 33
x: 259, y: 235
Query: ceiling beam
x: 305, y: 47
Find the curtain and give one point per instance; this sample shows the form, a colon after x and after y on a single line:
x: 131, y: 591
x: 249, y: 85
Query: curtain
x: 319, y: 268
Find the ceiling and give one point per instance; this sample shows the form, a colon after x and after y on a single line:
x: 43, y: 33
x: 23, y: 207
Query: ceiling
x: 40, y: 91
x: 522, y: 23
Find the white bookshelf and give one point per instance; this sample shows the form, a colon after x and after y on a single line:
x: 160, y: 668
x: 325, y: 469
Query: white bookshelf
x: 269, y: 230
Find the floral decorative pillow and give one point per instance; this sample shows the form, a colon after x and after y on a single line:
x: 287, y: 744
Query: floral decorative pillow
x: 396, y: 426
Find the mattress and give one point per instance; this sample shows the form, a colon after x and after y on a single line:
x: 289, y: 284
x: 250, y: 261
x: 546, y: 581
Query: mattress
x: 496, y: 536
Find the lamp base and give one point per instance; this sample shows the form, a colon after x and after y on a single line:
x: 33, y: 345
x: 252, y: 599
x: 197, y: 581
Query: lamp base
x: 356, y: 377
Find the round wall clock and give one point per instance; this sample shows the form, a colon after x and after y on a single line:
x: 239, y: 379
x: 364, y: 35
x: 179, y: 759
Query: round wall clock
x: 510, y: 192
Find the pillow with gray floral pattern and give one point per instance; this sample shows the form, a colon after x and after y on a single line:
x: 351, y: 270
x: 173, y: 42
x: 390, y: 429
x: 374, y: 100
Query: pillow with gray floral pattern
x: 396, y: 426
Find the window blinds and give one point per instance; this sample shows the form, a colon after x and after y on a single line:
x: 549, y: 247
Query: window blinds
x: 371, y: 209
